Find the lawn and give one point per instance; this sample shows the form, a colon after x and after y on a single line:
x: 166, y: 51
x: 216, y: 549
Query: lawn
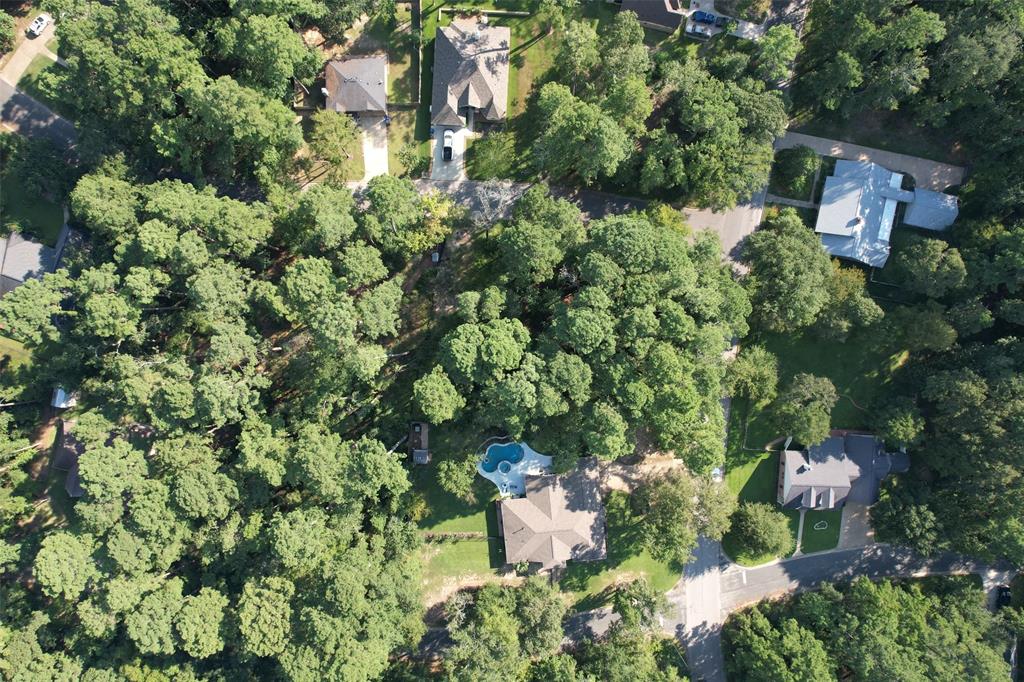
x: 31, y: 85
x: 590, y: 582
x: 820, y: 540
x: 455, y: 560
x: 402, y: 132
x: 12, y: 353
x: 29, y: 213
x: 398, y: 36
x: 753, y: 477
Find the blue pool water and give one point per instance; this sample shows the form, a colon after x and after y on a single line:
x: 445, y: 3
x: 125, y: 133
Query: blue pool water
x: 501, y: 452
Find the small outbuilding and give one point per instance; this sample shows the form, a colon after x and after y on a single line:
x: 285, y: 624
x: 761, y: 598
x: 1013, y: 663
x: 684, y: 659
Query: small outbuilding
x: 63, y: 399
x: 419, y: 443
x: 357, y: 85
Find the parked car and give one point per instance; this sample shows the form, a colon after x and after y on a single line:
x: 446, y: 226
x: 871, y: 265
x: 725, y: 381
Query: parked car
x: 38, y: 25
x: 1004, y: 595
x: 446, y: 149
x: 722, y: 22
x: 702, y: 17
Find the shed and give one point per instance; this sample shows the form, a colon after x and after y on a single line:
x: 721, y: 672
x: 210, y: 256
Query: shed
x: 63, y: 399
x: 419, y: 442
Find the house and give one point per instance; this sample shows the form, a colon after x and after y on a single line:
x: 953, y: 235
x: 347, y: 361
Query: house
x: 816, y: 479
x: 844, y: 469
x: 659, y: 15
x: 419, y: 444
x: 560, y: 519
x: 357, y: 85
x: 858, y: 210
x: 67, y: 450
x: 21, y: 259
x: 471, y: 61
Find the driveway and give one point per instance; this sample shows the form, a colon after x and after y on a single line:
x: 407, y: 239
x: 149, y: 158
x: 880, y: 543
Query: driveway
x: 702, y: 625
x: 28, y: 50
x: 375, y: 146
x: 928, y: 174
x: 456, y: 168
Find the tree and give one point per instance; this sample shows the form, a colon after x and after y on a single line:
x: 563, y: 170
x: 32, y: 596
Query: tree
x: 437, y: 397
x: 763, y: 653
x: 920, y: 327
x: 675, y: 509
x: 578, y: 54
x: 754, y: 375
x: 623, y: 52
x: 64, y: 565
x: 849, y: 305
x: 795, y: 167
x: 776, y: 50
x: 760, y: 530
x: 264, y: 613
x: 269, y: 54
x: 457, y: 477
x: 929, y: 267
x: 789, y: 273
x: 200, y: 623
x: 336, y: 139
x: 877, y: 66
x: 900, y: 421
x: 7, y: 28
x: 540, y: 610
x: 803, y: 409
x: 150, y: 626
x: 576, y: 137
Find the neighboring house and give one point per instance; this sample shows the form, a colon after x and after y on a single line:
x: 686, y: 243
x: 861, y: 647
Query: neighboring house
x: 67, y: 450
x: 471, y: 60
x: 560, y: 519
x: 419, y: 443
x: 846, y: 467
x: 357, y: 85
x: 22, y: 259
x: 660, y: 15
x: 858, y: 210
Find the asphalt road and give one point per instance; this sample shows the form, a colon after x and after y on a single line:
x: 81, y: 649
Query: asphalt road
x: 26, y: 116
x: 742, y: 586
x: 702, y: 626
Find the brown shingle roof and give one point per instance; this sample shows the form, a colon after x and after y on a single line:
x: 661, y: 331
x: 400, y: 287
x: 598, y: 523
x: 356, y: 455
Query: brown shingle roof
x: 561, y: 518
x: 470, y: 70
x: 357, y: 84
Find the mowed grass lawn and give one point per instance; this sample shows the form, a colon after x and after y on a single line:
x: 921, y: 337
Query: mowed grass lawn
x: 29, y: 213
x: 819, y: 540
x: 12, y: 353
x: 753, y: 477
x: 30, y: 82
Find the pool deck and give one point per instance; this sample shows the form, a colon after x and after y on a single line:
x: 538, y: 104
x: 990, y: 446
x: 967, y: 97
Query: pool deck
x: 513, y: 482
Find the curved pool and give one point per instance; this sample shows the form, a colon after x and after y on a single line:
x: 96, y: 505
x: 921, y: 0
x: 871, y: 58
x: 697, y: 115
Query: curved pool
x: 501, y: 452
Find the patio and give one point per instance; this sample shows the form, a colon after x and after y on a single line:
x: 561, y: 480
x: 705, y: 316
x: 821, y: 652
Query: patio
x: 506, y: 465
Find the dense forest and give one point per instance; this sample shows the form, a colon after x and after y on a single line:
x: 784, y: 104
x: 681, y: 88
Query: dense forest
x: 233, y: 342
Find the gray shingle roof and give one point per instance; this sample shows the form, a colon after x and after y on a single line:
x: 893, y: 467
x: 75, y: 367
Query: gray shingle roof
x: 931, y: 210
x: 820, y: 477
x: 470, y: 70
x: 21, y: 259
x: 560, y: 519
x: 357, y: 84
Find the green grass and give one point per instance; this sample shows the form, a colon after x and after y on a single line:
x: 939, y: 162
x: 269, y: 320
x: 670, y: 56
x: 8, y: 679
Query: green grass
x: 492, y: 156
x: 31, y: 81
x: 828, y: 166
x: 401, y: 53
x: 590, y: 583
x: 402, y: 132
x: 12, y: 353
x: 459, y: 559
x: 753, y: 477
x: 821, y: 540
x: 29, y: 213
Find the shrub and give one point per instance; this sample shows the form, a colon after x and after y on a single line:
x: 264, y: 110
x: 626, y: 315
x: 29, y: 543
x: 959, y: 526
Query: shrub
x: 794, y: 171
x: 761, y: 530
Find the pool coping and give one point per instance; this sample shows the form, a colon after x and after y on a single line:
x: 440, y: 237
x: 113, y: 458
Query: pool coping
x: 513, y: 483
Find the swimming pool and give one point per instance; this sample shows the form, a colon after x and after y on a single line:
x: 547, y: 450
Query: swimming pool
x: 499, y: 453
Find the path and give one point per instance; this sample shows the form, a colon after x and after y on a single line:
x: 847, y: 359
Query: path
x: 776, y: 199
x: 928, y: 174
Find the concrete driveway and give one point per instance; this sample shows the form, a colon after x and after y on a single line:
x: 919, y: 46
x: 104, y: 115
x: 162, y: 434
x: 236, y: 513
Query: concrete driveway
x: 928, y: 174
x: 375, y: 146
x: 456, y: 168
x: 27, y: 50
x: 731, y: 226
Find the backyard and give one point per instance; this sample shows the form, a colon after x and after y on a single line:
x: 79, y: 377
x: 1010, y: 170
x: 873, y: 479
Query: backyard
x: 27, y: 212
